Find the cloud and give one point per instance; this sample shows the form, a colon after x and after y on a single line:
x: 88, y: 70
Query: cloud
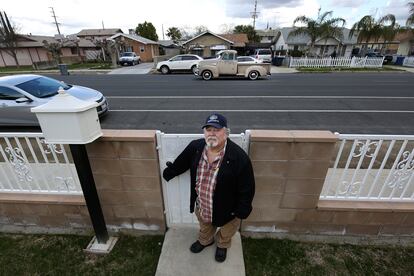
x: 243, y: 8
x: 348, y: 3
x: 398, y: 8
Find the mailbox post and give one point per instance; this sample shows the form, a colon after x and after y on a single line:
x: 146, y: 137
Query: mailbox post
x: 68, y: 120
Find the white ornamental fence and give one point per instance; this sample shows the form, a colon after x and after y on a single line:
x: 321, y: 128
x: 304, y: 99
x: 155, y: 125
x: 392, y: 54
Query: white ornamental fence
x: 30, y: 165
x: 372, y: 168
x: 408, y: 61
x: 354, y: 62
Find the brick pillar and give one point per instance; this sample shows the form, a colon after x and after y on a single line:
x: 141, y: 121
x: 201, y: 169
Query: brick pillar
x: 126, y: 171
x: 290, y: 169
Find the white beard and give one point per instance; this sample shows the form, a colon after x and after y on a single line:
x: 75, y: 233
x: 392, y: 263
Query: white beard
x: 211, y: 142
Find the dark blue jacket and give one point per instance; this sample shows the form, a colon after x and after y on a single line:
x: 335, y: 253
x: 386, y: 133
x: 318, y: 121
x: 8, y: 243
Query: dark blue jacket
x: 234, y: 191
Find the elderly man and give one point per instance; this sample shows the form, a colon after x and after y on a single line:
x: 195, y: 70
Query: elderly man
x: 222, y: 184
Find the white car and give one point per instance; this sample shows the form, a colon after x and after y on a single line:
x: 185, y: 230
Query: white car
x: 19, y: 93
x: 179, y: 63
x: 247, y: 59
x: 129, y: 58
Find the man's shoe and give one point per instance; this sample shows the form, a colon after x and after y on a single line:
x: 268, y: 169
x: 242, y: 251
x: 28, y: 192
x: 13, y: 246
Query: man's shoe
x: 197, y: 247
x: 221, y: 254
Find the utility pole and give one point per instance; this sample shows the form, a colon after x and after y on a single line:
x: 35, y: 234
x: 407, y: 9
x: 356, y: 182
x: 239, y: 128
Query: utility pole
x: 255, y: 14
x: 57, y: 24
x: 162, y: 26
x: 103, y: 26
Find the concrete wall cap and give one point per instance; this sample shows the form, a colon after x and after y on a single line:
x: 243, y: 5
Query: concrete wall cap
x: 293, y: 136
x: 127, y: 135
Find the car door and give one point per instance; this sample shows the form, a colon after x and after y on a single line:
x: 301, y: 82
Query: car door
x: 187, y: 62
x: 13, y: 112
x: 228, y: 64
x: 175, y: 63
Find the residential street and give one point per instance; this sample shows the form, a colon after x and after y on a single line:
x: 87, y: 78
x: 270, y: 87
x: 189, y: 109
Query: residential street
x: 375, y: 103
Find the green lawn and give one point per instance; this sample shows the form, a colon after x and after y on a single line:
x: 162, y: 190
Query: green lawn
x: 285, y: 257
x: 86, y: 65
x: 63, y: 255
x: 337, y: 69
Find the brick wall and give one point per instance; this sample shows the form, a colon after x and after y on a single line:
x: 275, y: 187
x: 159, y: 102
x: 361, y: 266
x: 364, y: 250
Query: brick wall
x: 43, y: 213
x: 126, y: 171
x: 290, y: 168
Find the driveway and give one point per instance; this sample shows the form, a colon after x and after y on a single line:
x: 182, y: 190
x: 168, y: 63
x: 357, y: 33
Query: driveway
x: 142, y: 68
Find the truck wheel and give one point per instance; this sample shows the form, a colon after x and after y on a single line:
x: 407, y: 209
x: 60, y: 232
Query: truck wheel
x: 165, y: 70
x: 207, y: 75
x: 254, y: 75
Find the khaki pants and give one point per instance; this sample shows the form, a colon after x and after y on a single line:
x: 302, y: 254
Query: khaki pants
x: 224, y: 234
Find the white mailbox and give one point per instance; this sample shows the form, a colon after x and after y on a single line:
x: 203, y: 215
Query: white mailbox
x: 68, y: 120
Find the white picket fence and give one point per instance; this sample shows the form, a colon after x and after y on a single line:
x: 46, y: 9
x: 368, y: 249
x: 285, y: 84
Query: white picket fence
x: 354, y: 62
x: 372, y: 167
x: 30, y: 165
x: 408, y: 61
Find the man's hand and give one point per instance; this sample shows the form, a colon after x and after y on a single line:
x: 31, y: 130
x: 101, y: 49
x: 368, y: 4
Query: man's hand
x: 168, y: 172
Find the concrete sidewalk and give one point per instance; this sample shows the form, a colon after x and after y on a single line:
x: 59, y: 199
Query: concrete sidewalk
x: 282, y: 70
x: 407, y: 69
x: 177, y: 259
x: 139, y: 69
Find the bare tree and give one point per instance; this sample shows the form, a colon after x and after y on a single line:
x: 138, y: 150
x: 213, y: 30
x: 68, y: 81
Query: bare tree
x: 110, y: 48
x: 8, y: 37
x: 55, y: 49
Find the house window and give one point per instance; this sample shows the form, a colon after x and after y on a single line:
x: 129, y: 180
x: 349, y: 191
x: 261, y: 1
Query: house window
x: 142, y: 49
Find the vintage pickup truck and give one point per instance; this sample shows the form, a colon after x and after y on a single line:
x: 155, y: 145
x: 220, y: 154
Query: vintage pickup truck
x: 225, y: 64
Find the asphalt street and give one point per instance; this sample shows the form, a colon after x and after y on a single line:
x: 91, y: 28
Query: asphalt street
x: 364, y: 103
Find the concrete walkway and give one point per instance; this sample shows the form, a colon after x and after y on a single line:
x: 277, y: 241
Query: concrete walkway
x: 142, y: 68
x: 177, y: 259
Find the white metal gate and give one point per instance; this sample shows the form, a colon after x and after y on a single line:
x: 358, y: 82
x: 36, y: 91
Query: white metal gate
x: 176, y: 192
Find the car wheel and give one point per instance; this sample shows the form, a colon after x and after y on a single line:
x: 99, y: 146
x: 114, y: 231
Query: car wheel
x: 193, y: 69
x: 165, y: 70
x: 139, y: 61
x: 207, y: 75
x: 254, y: 75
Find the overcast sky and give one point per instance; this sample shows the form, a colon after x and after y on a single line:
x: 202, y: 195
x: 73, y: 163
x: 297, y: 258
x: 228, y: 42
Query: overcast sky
x: 74, y: 15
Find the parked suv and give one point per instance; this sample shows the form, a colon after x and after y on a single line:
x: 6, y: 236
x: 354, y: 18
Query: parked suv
x: 179, y: 63
x: 129, y: 58
x: 264, y: 55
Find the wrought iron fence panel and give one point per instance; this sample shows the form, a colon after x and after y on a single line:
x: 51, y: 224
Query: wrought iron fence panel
x: 371, y: 167
x: 30, y: 165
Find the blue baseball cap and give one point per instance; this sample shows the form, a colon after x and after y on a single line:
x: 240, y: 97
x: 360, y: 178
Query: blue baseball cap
x: 216, y: 120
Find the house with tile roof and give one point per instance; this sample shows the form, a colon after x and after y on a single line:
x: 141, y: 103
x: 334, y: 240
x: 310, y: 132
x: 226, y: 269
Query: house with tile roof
x: 323, y: 47
x: 31, y: 50
x: 98, y: 34
x: 207, y: 44
x: 146, y: 48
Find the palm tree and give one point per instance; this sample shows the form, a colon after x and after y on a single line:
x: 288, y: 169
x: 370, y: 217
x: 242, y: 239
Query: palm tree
x: 323, y: 27
x: 410, y: 19
x: 368, y: 29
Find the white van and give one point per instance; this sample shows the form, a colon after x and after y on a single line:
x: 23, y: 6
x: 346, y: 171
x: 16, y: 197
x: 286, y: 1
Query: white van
x: 264, y: 55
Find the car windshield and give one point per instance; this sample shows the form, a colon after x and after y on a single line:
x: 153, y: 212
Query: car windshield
x: 43, y: 87
x: 127, y: 54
